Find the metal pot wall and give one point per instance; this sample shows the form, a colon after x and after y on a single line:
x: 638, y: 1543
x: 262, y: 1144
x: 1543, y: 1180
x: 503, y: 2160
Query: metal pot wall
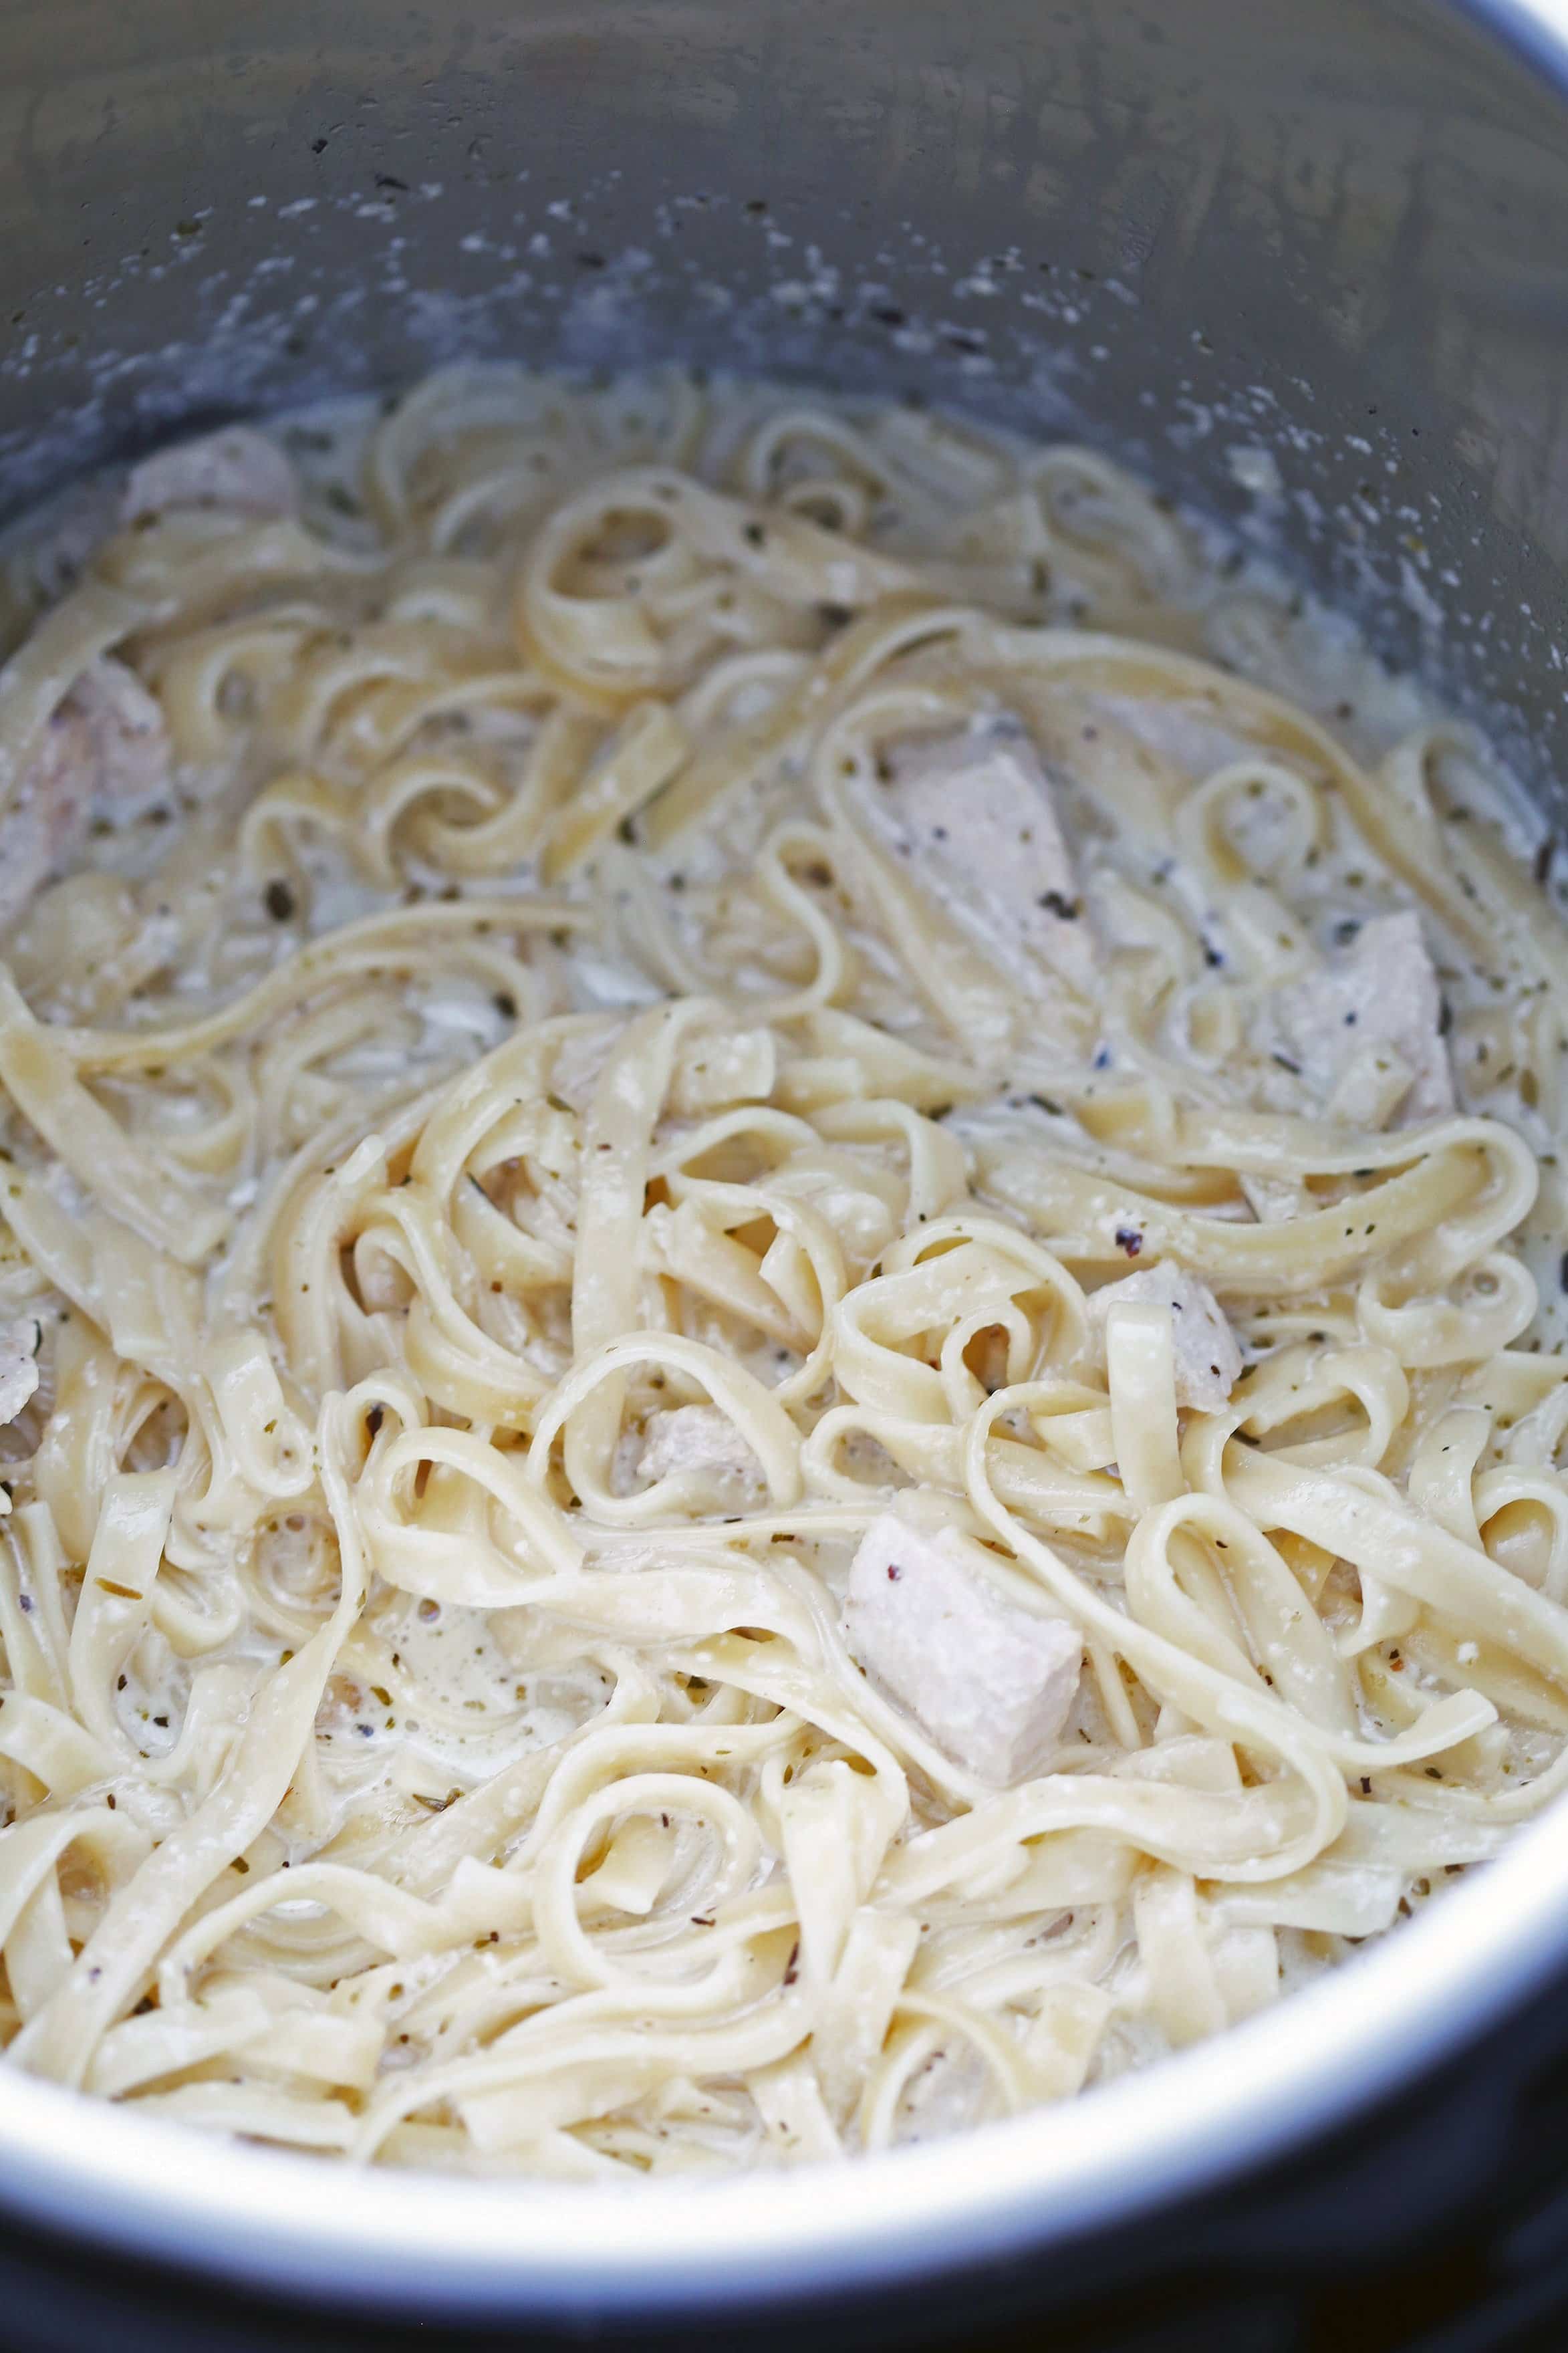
x: 1304, y: 265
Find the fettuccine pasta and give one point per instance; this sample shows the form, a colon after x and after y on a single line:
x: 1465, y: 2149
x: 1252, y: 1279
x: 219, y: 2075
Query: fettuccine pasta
x: 781, y: 1258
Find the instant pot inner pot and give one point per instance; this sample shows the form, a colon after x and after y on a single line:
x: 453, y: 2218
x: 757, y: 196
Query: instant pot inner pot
x: 1302, y: 265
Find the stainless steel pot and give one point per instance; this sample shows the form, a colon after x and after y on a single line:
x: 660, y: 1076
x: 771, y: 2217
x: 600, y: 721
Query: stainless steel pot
x: 1305, y: 264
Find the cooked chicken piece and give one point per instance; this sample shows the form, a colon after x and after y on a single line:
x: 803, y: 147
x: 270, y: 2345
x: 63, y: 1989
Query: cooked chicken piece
x: 991, y: 1684
x: 103, y: 753
x: 235, y: 468
x: 18, y: 1365
x: 1208, y: 1359
x: 976, y: 823
x: 1365, y: 1033
x: 697, y: 1438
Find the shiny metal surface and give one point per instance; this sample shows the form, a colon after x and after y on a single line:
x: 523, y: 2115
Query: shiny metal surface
x: 1185, y: 228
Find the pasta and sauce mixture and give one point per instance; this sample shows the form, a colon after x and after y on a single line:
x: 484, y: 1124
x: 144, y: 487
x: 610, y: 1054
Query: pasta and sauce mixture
x: 781, y: 1222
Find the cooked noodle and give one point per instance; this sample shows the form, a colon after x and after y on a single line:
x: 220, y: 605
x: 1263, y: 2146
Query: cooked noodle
x: 516, y: 1160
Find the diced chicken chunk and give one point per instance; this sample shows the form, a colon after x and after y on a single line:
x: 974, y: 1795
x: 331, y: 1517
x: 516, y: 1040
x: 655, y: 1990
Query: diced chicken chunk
x: 972, y: 815
x: 237, y: 468
x: 1366, y: 1032
x: 991, y: 1684
x: 18, y: 1365
x: 103, y: 753
x: 697, y: 1438
x: 128, y: 741
x: 1207, y: 1357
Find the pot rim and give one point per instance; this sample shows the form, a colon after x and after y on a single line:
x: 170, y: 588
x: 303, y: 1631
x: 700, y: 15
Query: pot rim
x: 464, y: 2245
